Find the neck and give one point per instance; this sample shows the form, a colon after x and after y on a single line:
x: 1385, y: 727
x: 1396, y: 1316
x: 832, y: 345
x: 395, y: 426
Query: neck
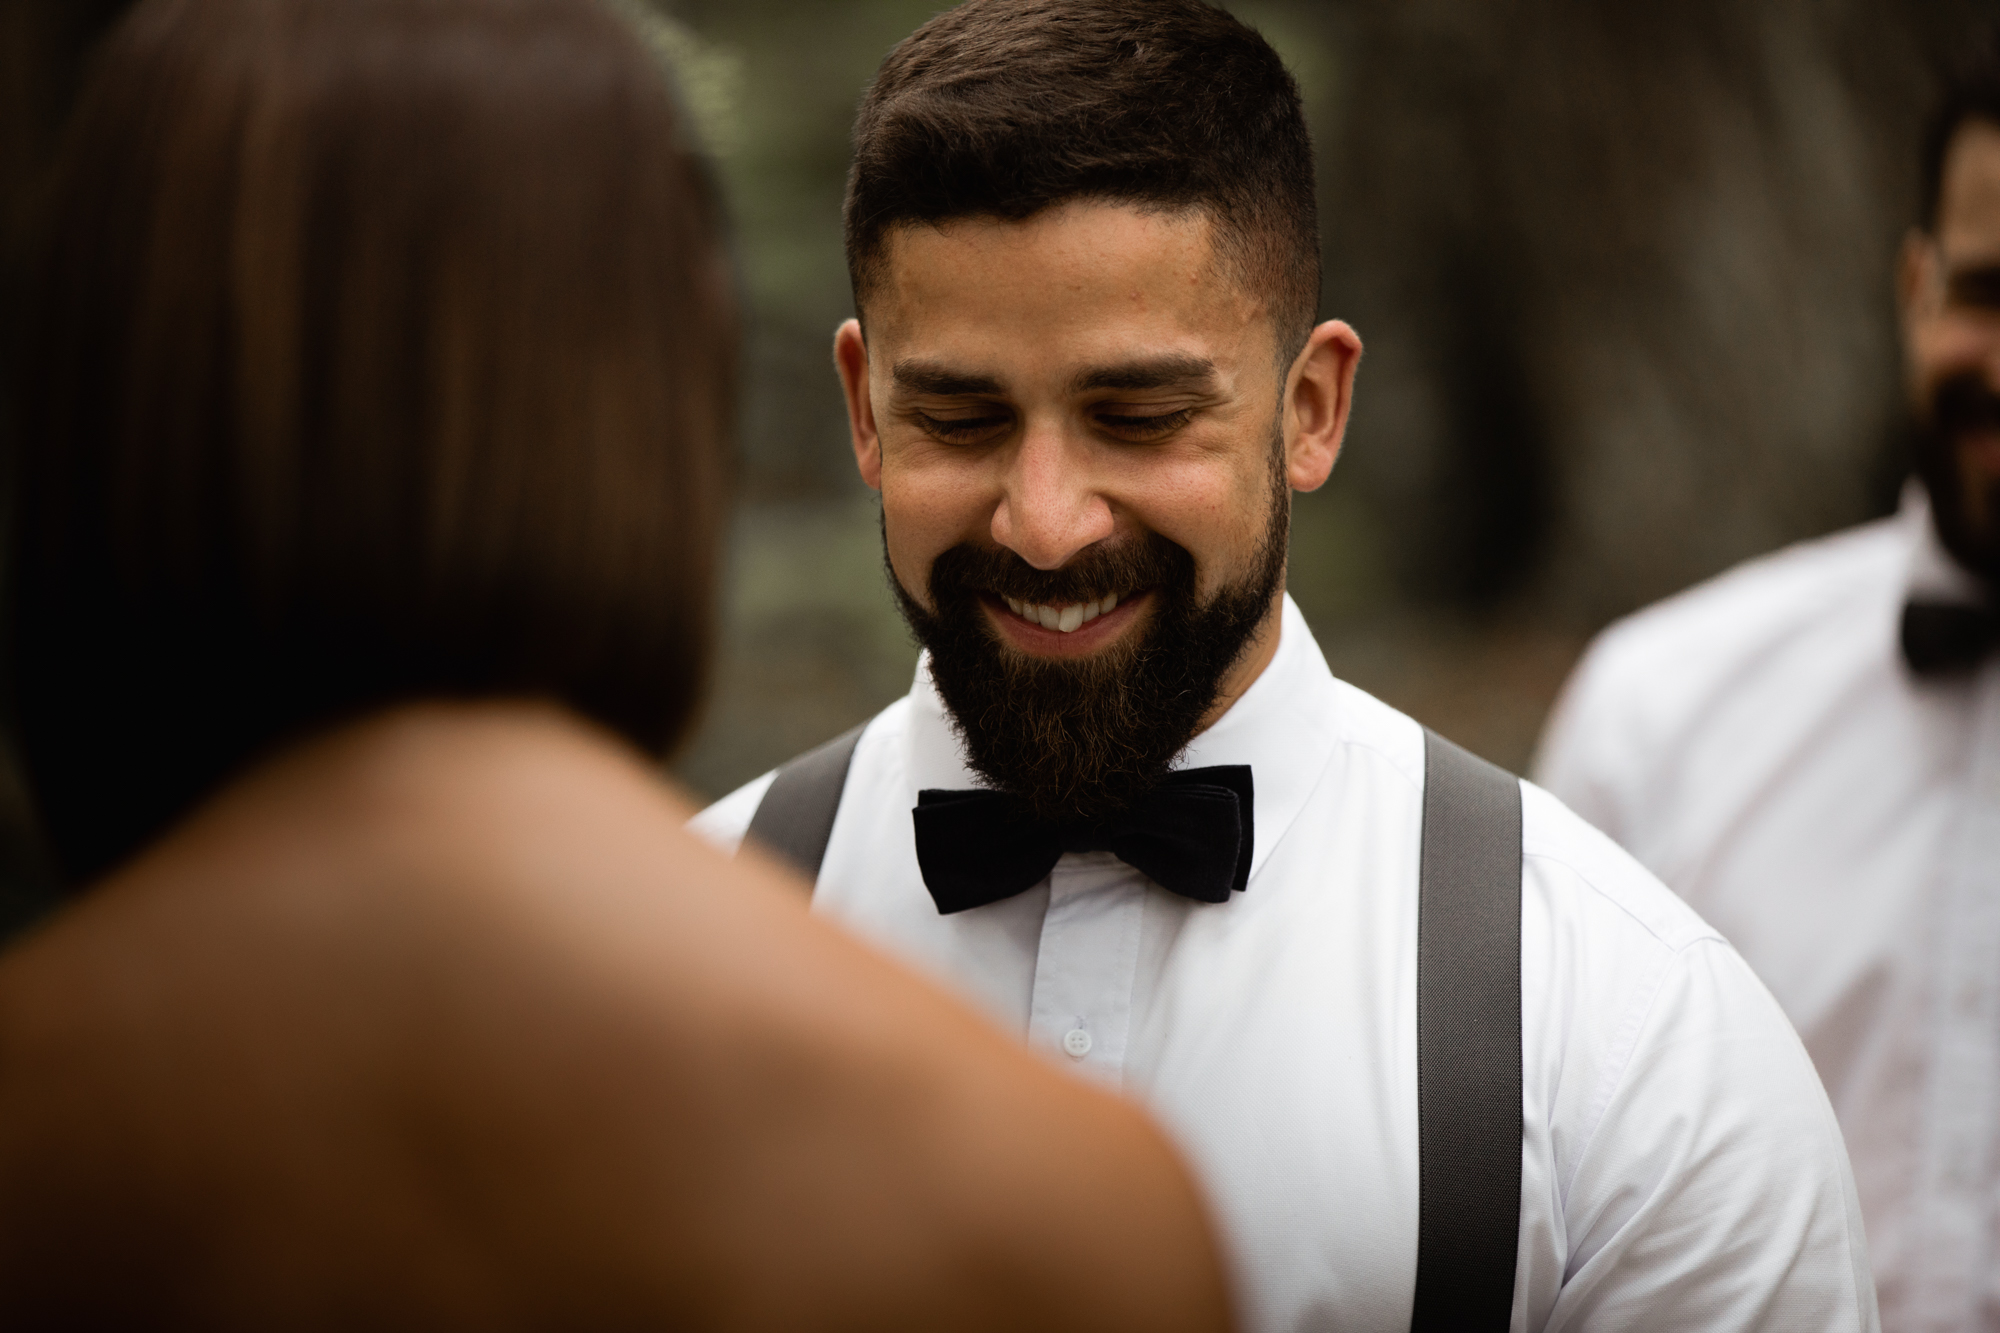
x: 1257, y: 655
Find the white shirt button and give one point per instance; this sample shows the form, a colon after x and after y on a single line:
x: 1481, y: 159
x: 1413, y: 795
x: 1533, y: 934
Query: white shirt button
x: 1077, y: 1042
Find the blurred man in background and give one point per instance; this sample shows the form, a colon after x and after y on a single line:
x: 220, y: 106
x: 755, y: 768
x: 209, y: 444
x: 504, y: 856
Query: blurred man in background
x: 1126, y: 806
x: 1808, y: 749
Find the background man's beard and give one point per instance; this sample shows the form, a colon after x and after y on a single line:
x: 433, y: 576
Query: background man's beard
x: 1082, y: 740
x: 1966, y: 510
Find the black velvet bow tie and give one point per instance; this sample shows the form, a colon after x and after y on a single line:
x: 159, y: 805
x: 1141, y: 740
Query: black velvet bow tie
x: 1943, y: 637
x: 1191, y: 835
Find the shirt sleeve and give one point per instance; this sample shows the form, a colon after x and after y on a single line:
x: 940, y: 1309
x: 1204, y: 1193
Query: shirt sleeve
x: 724, y: 823
x: 1693, y: 1160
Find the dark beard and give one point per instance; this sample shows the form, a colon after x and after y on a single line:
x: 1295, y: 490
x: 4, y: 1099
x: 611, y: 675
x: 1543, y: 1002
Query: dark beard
x: 1083, y: 740
x: 1968, y: 520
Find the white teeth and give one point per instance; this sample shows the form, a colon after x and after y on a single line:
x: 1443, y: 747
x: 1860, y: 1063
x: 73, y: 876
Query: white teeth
x: 1063, y: 619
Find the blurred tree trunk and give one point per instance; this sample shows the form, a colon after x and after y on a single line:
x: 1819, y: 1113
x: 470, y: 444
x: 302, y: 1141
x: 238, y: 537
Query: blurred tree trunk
x: 1625, y: 275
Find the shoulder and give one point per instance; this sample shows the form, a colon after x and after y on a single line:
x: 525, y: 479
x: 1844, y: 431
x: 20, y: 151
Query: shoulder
x: 1616, y: 962
x: 551, y: 963
x: 1369, y: 734
x: 1749, y: 645
x: 1667, y: 1097
x: 724, y: 823
x: 1733, y: 620
x: 1611, y: 942
x: 1589, y: 873
x: 1387, y: 749
x: 1600, y: 934
x: 1593, y: 893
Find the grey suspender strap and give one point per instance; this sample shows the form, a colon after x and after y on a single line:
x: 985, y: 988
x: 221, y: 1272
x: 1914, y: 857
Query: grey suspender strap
x: 795, y: 818
x: 1468, y: 1043
x: 1468, y: 1013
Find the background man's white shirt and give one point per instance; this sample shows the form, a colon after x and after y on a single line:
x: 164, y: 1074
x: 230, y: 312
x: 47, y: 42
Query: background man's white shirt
x: 1681, y: 1167
x: 1758, y: 743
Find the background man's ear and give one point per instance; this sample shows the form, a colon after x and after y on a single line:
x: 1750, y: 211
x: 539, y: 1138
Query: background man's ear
x: 1913, y: 273
x: 1319, y: 396
x: 850, y: 358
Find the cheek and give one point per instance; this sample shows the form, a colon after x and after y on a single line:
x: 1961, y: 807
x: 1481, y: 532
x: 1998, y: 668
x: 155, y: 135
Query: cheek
x: 1216, y: 508
x: 926, y: 512
x: 1952, y: 344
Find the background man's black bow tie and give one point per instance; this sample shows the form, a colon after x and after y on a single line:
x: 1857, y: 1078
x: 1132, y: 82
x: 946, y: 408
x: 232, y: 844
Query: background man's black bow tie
x: 1192, y: 835
x: 1943, y: 637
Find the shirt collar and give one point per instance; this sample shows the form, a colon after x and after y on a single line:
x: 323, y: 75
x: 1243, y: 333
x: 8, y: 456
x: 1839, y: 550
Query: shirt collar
x: 1283, y: 726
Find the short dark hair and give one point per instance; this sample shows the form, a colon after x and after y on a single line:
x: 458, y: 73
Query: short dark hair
x: 382, y: 350
x: 1971, y: 92
x: 1003, y: 108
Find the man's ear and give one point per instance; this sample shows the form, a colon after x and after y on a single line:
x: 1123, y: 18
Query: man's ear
x: 1914, y: 277
x: 1319, y: 395
x: 850, y: 358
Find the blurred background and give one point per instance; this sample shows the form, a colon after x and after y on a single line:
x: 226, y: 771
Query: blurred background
x: 1623, y: 272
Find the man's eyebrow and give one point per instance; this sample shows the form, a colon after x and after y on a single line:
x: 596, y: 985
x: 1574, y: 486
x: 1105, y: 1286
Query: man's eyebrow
x: 932, y: 378
x: 1159, y: 372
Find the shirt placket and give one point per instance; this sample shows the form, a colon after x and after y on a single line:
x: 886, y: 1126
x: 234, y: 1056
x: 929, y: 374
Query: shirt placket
x: 1955, y: 1188
x: 1087, y: 962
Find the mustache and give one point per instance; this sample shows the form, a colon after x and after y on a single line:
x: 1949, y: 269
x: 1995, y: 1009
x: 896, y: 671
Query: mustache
x: 1964, y: 403
x: 1128, y: 567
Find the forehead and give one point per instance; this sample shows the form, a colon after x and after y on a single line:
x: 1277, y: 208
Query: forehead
x: 1969, y: 202
x: 1080, y: 282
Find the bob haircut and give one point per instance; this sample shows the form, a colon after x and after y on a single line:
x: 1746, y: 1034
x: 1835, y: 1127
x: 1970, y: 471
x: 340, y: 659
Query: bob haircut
x: 378, y: 350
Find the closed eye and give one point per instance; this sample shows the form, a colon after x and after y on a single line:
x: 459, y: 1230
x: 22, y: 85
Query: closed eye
x: 962, y: 430
x: 1145, y: 427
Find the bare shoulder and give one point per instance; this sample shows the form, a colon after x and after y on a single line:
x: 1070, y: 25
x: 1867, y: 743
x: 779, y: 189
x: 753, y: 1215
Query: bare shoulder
x: 453, y: 1010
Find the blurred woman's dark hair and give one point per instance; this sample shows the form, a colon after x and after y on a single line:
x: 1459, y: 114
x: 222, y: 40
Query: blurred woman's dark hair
x: 378, y: 350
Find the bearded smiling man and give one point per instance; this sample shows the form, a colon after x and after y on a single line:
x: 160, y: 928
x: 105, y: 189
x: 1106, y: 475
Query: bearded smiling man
x: 1808, y: 749
x: 1126, y: 807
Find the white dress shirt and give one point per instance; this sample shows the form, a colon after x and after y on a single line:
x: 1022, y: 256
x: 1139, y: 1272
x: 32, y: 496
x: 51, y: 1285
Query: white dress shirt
x: 1681, y: 1168
x: 1758, y: 743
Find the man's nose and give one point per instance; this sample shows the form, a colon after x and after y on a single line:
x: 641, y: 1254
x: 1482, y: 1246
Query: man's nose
x: 1050, y: 507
